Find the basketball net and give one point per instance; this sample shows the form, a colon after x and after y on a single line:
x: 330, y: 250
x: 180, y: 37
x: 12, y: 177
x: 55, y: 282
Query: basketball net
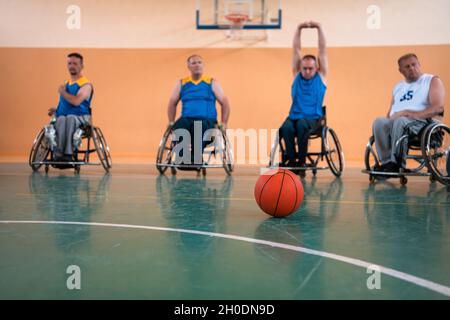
x: 237, y: 22
x: 236, y: 31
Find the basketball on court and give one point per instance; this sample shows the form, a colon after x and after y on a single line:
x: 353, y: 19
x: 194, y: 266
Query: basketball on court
x: 279, y: 192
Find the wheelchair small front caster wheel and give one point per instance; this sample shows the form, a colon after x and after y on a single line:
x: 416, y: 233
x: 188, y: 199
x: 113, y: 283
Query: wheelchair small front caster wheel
x: 403, y: 181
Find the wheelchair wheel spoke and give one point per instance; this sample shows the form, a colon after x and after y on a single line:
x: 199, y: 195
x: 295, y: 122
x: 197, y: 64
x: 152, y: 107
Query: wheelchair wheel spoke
x: 100, y: 147
x: 105, y: 147
x: 39, y: 151
x: 334, y: 155
x: 165, y: 154
x: 227, y: 154
x: 435, y: 150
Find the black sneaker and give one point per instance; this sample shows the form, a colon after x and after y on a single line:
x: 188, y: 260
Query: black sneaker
x: 289, y: 164
x: 301, y: 172
x: 67, y: 158
x: 390, y: 167
x: 377, y: 167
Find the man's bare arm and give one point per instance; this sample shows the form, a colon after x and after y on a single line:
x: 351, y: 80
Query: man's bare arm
x: 296, y: 47
x: 173, y: 101
x: 223, y: 101
x: 83, y: 94
x: 390, y: 108
x: 323, y: 56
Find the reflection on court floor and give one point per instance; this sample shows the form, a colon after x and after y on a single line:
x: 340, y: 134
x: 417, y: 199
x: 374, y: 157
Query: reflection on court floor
x: 141, y: 235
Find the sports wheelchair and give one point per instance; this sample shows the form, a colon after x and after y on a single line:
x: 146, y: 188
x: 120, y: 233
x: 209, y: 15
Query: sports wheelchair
x: 218, y: 153
x: 330, y: 149
x: 427, y: 155
x: 42, y: 151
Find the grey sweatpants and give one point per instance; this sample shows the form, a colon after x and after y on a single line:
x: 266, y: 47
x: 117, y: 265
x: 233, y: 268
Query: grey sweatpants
x: 387, y: 132
x: 65, y: 128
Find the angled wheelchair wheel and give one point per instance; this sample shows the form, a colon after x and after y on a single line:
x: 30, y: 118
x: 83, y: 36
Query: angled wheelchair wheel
x: 403, y: 180
x: 164, y: 155
x: 102, y: 140
x: 333, y: 152
x: 101, y: 149
x: 370, y: 155
x: 274, y: 151
x: 435, y: 147
x: 227, y: 154
x: 39, y: 151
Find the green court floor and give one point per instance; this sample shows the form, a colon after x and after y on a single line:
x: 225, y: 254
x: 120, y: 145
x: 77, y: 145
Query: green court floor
x: 137, y: 235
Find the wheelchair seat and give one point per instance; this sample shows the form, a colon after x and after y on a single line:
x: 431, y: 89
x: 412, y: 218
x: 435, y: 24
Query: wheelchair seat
x: 41, y: 153
x: 431, y: 146
x: 330, y: 150
x: 217, y: 150
x: 414, y: 139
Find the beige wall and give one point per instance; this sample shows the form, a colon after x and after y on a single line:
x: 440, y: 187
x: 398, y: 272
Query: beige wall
x: 171, y: 24
x: 135, y: 50
x: 132, y: 87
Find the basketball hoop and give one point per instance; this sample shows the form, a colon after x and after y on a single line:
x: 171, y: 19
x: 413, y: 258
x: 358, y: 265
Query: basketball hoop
x: 237, y: 21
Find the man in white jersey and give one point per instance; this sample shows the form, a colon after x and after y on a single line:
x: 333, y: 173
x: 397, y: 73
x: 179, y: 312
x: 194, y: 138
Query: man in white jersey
x: 415, y: 101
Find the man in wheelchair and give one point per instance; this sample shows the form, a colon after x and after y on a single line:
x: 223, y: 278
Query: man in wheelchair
x: 73, y: 111
x: 416, y: 102
x: 308, y: 91
x: 198, y: 94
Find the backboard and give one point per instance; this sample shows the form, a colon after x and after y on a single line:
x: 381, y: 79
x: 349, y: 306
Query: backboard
x: 243, y: 14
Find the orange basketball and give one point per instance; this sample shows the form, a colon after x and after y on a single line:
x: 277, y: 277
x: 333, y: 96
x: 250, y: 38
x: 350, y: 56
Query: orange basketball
x: 279, y: 192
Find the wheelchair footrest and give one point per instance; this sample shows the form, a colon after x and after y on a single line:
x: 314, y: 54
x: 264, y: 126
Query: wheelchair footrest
x: 299, y: 168
x: 71, y: 163
x: 395, y: 174
x: 190, y: 166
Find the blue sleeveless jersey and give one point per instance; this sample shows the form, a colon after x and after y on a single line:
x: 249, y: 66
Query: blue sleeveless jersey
x: 65, y: 108
x: 307, y: 98
x: 198, y: 99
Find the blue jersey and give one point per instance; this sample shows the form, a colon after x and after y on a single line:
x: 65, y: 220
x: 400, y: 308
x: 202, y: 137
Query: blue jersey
x: 198, y: 99
x: 65, y: 108
x: 307, y: 98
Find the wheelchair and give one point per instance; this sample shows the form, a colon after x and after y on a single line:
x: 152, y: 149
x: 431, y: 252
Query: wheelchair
x: 42, y: 154
x: 218, y: 153
x: 330, y: 149
x: 427, y: 155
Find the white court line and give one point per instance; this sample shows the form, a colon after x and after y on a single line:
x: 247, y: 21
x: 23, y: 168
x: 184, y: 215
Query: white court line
x: 433, y: 286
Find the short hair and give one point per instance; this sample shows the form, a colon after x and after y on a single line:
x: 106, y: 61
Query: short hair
x: 76, y: 55
x: 406, y: 56
x: 309, y: 57
x: 193, y: 56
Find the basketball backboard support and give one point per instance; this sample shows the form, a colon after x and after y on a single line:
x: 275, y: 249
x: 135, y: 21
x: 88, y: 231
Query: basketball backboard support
x: 238, y: 14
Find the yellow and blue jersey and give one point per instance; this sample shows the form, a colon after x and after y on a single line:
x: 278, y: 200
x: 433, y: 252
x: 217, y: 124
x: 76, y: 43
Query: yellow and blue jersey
x: 65, y: 108
x: 198, y: 99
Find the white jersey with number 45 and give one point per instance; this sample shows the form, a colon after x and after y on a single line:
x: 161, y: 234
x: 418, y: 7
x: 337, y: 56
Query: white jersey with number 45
x: 412, y: 96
